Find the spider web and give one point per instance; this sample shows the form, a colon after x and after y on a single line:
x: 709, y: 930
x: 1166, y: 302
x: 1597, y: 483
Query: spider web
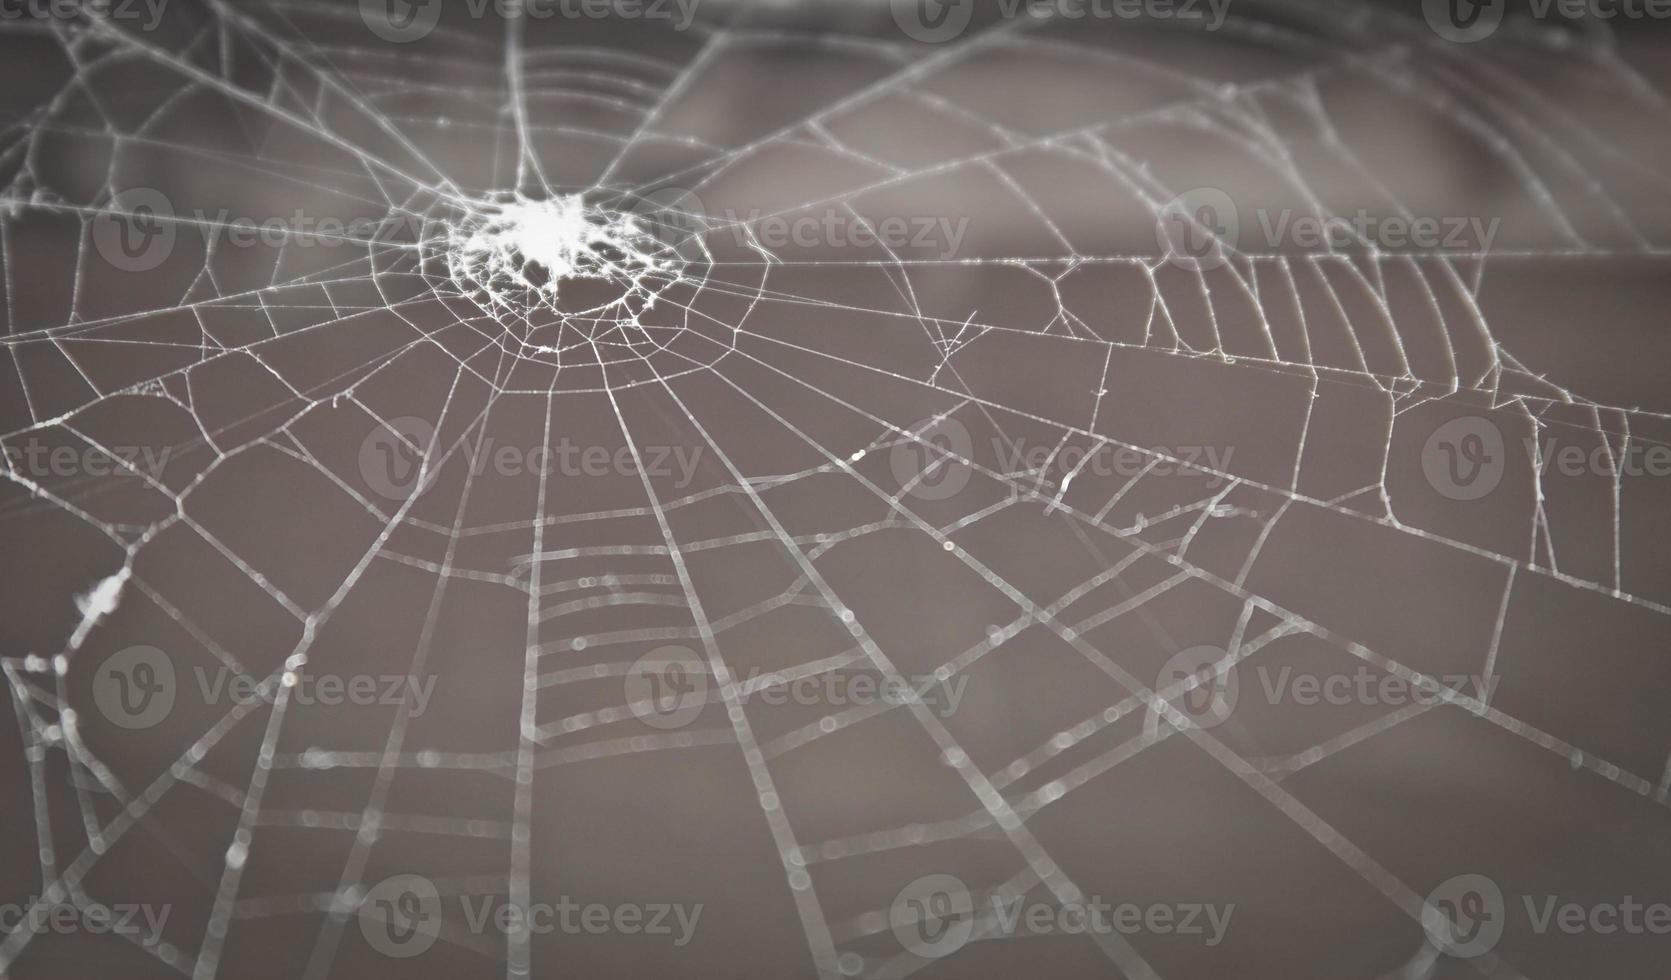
x: 799, y: 377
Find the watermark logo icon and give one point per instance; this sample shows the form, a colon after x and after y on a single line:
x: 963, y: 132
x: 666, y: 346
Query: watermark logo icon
x: 1464, y: 21
x: 1213, y: 698
x: 135, y: 687
x: 1195, y: 227
x: 1464, y: 459
x: 933, y: 916
x: 933, y: 21
x: 933, y: 465
x: 667, y: 687
x: 401, y: 916
x: 136, y: 232
x: 1464, y: 915
x: 392, y: 456
x: 400, y: 21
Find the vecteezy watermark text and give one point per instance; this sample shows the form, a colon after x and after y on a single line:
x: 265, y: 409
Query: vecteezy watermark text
x: 137, y: 229
x: 1201, y: 227
x: 403, y: 21
x: 937, y: 21
x: 402, y: 916
x: 138, y: 921
x: 934, y: 234
x: 669, y: 686
x: 144, y: 14
x: 1455, y: 233
x: 392, y: 457
x: 1206, y: 686
x: 1467, y: 21
x: 936, y: 915
x: 1466, y: 915
x: 37, y: 461
x: 1466, y: 458
x: 138, y: 687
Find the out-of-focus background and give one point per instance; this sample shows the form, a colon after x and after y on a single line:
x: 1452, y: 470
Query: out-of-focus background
x: 1122, y: 488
